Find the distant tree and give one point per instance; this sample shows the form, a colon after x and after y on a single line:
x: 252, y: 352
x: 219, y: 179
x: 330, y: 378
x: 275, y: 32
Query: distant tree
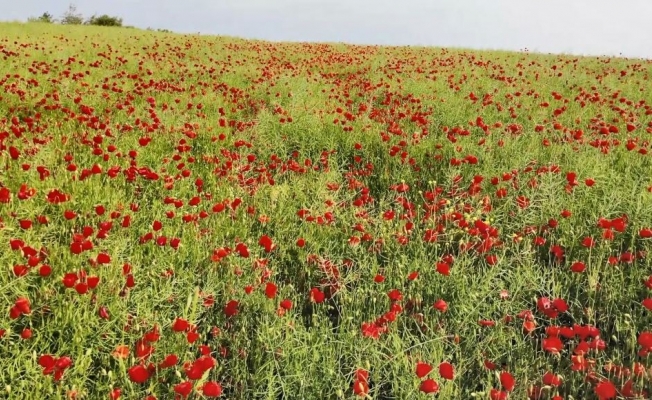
x: 72, y: 17
x: 45, y: 18
x: 149, y: 28
x: 104, y: 20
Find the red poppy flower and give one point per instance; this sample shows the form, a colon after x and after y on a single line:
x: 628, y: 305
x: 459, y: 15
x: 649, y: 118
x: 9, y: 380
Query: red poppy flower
x: 551, y: 379
x: 360, y: 385
x: 495, y: 394
x: 143, y: 349
x: 286, y: 304
x: 138, y: 374
x: 183, y: 389
x: 578, y: 267
x: 645, y: 340
x: 360, y: 388
x: 56, y: 366
x: 317, y: 295
x: 25, y: 224
x: 528, y: 325
x: 429, y: 386
x: 267, y: 243
x: 180, y: 325
x: 552, y: 345
x: 212, y: 389
x: 443, y: 268
x: 56, y: 197
x: 362, y: 375
x: 605, y: 390
x: 647, y: 303
x: 370, y: 330
x: 400, y: 188
x: 231, y: 308
x: 169, y: 361
x: 491, y: 259
x: 5, y: 195
x: 23, y: 305
x: 522, y: 202
x: 270, y: 290
x: 115, y: 394
x: 395, y: 295
x: 440, y: 305
x: 192, y: 337
x: 507, y: 381
x: 490, y: 365
x: 423, y: 369
x: 26, y: 334
x: 103, y: 258
x: 446, y: 370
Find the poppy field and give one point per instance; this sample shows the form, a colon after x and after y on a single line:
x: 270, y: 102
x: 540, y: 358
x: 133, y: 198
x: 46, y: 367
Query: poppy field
x: 187, y: 216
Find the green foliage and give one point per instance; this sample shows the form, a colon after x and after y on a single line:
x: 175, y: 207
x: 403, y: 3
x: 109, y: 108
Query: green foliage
x: 161, y: 30
x: 71, y: 16
x: 46, y: 18
x: 104, y: 20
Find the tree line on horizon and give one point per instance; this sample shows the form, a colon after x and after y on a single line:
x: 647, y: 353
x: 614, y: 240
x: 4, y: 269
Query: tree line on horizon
x: 72, y: 17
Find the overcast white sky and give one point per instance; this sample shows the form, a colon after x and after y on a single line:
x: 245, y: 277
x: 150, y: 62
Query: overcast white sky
x: 592, y: 27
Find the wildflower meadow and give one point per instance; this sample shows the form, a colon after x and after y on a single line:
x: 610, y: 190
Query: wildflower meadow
x: 191, y: 217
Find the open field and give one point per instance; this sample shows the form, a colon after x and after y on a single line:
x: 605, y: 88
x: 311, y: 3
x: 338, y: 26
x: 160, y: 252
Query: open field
x: 199, y: 216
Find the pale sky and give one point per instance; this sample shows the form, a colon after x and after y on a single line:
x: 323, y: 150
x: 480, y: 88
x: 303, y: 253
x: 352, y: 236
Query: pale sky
x: 593, y: 27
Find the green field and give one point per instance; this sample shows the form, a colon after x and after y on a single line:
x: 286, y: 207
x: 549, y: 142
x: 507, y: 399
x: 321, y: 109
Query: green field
x: 193, y: 216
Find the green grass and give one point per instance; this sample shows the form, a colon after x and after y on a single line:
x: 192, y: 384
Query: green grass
x: 213, y: 109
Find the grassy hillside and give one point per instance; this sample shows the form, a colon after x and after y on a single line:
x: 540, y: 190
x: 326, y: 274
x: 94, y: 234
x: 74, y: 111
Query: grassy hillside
x: 199, y: 216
